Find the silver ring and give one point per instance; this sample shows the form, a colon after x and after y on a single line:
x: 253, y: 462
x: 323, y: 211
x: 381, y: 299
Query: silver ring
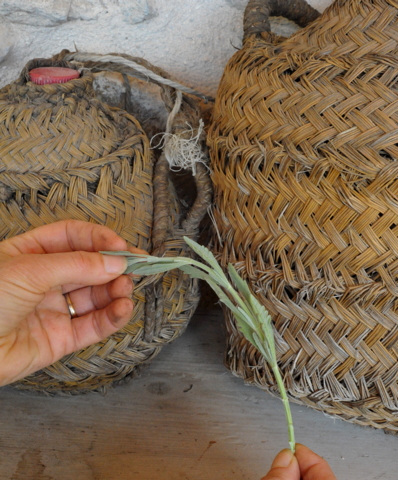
x: 70, y: 306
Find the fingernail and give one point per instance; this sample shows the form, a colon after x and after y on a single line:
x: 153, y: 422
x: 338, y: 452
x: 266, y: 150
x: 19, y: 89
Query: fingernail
x: 114, y: 263
x: 283, y: 459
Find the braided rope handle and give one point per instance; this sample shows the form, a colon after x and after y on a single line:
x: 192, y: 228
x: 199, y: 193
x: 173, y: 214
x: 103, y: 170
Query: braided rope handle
x: 257, y: 13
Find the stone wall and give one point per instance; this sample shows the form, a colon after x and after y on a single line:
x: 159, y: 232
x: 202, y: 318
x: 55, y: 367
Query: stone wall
x: 192, y: 39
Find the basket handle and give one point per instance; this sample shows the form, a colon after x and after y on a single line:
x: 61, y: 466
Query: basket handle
x: 163, y: 238
x: 165, y: 235
x: 189, y: 226
x: 257, y: 13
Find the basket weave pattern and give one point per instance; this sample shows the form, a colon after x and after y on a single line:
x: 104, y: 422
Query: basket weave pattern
x: 66, y: 155
x: 304, y: 147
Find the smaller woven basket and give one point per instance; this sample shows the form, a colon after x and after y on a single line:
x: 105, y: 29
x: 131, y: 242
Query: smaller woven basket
x: 304, y: 149
x: 64, y: 154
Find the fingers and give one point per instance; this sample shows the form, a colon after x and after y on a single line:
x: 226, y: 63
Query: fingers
x: 52, y: 334
x: 312, y: 466
x: 284, y: 467
x: 305, y: 465
x: 88, y: 299
x: 25, y: 279
x: 43, y: 272
x: 97, y: 325
x: 64, y: 236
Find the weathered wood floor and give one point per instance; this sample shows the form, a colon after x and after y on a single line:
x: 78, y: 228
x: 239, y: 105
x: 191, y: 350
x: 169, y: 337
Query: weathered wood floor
x: 186, y: 418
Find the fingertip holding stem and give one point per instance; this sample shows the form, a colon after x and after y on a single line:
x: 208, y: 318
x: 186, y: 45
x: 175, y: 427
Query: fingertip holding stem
x: 114, y: 263
x: 283, y: 459
x: 284, y: 467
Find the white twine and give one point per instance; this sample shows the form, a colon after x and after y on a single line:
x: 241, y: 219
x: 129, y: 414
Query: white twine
x: 91, y: 57
x: 181, y: 153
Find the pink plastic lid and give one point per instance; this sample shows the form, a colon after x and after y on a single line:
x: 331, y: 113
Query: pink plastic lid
x: 46, y: 75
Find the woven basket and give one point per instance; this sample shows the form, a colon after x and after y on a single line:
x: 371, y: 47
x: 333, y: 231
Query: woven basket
x: 64, y: 154
x: 304, y: 148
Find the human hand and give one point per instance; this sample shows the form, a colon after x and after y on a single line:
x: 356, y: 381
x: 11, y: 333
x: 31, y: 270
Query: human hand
x: 304, y: 465
x: 36, y: 269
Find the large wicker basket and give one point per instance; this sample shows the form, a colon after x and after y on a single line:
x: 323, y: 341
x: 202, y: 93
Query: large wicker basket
x: 65, y: 154
x: 304, y: 147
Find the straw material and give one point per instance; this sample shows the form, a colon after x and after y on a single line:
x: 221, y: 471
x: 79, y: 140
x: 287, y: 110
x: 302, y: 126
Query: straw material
x: 64, y: 154
x: 303, y: 146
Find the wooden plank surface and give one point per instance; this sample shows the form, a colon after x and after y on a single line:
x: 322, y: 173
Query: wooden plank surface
x: 185, y: 418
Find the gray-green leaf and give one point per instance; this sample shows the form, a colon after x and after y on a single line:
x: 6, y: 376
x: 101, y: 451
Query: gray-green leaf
x: 148, y: 269
x: 204, y: 253
x: 239, y: 282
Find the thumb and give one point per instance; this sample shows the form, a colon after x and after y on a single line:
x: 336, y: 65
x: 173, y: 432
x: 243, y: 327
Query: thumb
x: 284, y: 467
x: 28, y: 277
